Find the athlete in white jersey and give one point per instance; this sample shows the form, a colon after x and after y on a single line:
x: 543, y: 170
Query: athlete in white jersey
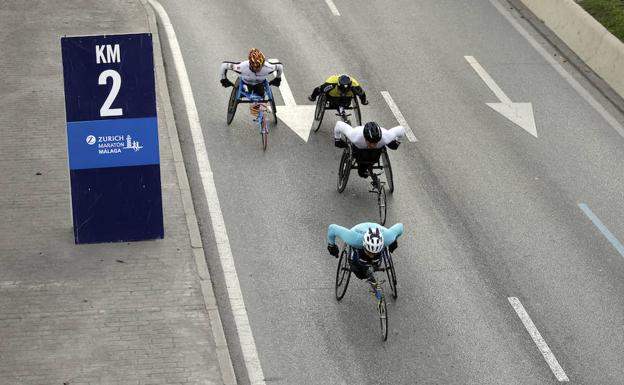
x: 253, y: 72
x: 367, y: 142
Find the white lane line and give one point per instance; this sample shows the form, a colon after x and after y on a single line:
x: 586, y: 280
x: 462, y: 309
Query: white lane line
x: 333, y: 8
x: 582, y: 91
x: 399, y: 116
x: 488, y: 80
x: 235, y: 295
x: 539, y: 341
x: 287, y: 95
x: 603, y: 229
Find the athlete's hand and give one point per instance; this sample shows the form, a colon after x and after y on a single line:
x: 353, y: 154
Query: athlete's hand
x: 333, y: 250
x: 275, y: 82
x: 226, y: 83
x: 364, y: 102
x: 340, y: 143
x: 393, y: 246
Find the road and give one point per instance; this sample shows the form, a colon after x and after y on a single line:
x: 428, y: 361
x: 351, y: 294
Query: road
x: 490, y: 211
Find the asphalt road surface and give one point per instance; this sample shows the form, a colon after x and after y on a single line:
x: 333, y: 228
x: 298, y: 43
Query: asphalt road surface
x: 491, y: 212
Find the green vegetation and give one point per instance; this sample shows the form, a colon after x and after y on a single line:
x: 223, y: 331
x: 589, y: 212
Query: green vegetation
x: 609, y: 13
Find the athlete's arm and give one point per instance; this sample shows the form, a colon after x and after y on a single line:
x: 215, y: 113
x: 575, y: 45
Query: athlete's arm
x: 350, y: 237
x: 342, y: 128
x: 390, y: 135
x: 391, y: 234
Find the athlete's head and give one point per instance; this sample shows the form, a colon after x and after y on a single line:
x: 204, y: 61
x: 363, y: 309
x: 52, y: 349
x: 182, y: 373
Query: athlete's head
x: 372, y: 133
x: 256, y: 59
x: 373, y: 241
x: 344, y: 84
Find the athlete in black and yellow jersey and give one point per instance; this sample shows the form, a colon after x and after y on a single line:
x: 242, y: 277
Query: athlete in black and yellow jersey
x: 340, y: 89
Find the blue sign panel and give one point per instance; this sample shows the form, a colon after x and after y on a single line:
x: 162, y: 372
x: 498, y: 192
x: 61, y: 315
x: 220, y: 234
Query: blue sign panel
x: 112, y: 137
x: 105, y: 143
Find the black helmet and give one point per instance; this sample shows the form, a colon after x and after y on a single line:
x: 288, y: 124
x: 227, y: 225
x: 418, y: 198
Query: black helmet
x: 372, y: 132
x: 344, y: 83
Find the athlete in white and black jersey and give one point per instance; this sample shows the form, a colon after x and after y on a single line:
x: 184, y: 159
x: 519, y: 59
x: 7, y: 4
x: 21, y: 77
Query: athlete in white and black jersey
x: 253, y: 72
x: 367, y: 142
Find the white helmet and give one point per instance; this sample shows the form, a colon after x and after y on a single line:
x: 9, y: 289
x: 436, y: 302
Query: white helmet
x: 373, y: 241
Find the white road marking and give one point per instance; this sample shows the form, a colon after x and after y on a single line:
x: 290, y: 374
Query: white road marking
x: 519, y: 113
x: 333, y: 8
x: 603, y: 229
x: 399, y: 116
x: 582, y: 91
x: 245, y: 336
x: 539, y: 341
x: 488, y: 79
x: 297, y: 118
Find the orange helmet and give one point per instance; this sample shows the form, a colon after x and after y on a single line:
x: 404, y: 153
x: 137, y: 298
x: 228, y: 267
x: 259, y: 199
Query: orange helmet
x: 256, y: 59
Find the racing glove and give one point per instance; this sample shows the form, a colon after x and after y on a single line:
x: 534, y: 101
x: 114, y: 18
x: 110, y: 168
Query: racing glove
x: 340, y: 143
x: 275, y: 82
x: 393, y: 246
x: 312, y: 98
x: 333, y: 250
x: 364, y: 101
x: 393, y: 145
x: 225, y: 82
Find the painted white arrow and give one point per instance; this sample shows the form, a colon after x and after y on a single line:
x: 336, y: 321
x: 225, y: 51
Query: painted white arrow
x: 519, y: 113
x: 298, y: 118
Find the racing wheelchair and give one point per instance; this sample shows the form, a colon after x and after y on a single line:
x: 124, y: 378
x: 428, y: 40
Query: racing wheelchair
x: 325, y: 102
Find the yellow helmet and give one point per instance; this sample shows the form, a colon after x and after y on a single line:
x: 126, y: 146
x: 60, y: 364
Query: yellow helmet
x: 256, y: 59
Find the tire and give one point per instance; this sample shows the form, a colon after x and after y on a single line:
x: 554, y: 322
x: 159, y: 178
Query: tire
x: 387, y: 167
x: 273, y: 109
x: 357, y: 112
x: 383, y: 318
x: 344, y: 169
x: 264, y: 132
x: 389, y: 265
x: 233, y: 102
x: 343, y: 274
x: 382, y: 204
x: 319, y: 112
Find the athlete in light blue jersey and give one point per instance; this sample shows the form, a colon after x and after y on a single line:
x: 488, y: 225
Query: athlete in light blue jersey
x: 368, y: 240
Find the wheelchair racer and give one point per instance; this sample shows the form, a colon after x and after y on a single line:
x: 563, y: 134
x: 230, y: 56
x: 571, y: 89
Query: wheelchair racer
x: 253, y: 72
x: 339, y: 90
x: 367, y: 142
x: 367, y: 240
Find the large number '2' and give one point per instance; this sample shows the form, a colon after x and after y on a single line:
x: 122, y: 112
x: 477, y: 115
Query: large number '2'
x: 106, y: 110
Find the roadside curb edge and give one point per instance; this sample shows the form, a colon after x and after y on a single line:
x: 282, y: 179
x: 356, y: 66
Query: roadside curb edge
x: 210, y: 302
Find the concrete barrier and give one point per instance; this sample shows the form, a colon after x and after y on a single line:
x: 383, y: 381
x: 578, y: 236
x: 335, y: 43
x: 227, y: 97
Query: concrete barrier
x: 592, y: 42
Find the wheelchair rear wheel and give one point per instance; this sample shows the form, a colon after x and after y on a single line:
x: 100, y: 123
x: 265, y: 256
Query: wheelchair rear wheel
x: 273, y: 109
x: 387, y: 167
x: 319, y: 112
x: 344, y: 169
x: 389, y: 266
x: 343, y: 274
x: 233, y: 102
x: 358, y: 113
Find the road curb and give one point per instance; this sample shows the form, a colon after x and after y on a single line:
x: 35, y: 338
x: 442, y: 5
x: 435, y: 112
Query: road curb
x: 592, y: 42
x: 210, y: 301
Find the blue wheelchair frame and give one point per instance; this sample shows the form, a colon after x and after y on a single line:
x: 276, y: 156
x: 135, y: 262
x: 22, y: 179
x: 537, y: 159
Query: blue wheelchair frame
x: 250, y: 97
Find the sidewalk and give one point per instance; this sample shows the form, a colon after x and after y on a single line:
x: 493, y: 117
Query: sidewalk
x: 117, y: 313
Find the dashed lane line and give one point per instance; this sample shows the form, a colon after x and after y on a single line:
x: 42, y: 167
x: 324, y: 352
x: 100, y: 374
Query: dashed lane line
x: 539, y: 341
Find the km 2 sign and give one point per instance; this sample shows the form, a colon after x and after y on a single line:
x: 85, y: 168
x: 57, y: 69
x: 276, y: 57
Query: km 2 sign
x: 112, y: 137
